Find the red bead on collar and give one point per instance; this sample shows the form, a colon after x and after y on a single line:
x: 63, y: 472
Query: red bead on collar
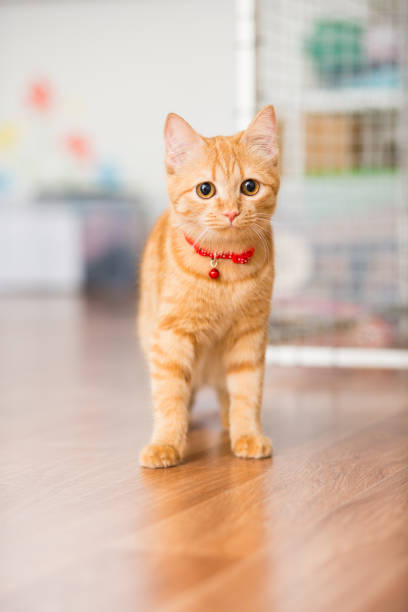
x: 239, y: 258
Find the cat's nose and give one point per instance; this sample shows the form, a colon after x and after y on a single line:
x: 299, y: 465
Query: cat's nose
x: 231, y: 214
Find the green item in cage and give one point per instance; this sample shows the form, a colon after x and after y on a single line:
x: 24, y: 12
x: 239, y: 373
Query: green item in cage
x: 336, y: 48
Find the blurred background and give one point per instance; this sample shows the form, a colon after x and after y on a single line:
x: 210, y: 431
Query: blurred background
x: 85, y: 86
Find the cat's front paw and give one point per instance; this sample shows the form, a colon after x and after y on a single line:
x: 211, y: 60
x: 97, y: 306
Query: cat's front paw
x: 252, y: 446
x: 159, y: 456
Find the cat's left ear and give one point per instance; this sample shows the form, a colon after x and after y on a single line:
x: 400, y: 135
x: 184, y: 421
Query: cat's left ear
x: 260, y: 135
x: 182, y: 142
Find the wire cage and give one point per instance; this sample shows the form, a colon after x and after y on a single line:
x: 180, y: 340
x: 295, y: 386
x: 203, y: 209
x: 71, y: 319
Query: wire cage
x: 336, y: 72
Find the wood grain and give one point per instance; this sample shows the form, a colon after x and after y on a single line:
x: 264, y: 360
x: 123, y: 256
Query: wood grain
x: 321, y: 526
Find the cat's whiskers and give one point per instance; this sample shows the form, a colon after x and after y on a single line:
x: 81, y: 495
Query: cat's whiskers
x: 259, y: 231
x: 261, y: 240
x: 268, y: 245
x: 200, y: 236
x: 263, y: 217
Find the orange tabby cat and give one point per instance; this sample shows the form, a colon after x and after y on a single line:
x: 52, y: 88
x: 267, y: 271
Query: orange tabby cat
x: 206, y: 284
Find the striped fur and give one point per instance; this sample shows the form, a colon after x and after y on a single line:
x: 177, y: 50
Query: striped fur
x: 195, y: 330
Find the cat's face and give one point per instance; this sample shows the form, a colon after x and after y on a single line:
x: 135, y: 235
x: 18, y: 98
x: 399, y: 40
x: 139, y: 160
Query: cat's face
x: 223, y: 187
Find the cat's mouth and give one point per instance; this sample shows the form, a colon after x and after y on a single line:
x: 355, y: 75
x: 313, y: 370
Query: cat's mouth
x: 240, y: 223
x: 236, y: 225
x: 233, y: 228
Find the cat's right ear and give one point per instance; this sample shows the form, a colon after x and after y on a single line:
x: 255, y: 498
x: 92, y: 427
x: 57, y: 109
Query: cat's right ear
x: 182, y: 142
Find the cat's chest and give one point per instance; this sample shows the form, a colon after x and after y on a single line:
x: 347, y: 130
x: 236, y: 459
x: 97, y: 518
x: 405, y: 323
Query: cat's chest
x: 228, y: 298
x: 212, y: 306
x: 238, y: 285
x: 221, y: 303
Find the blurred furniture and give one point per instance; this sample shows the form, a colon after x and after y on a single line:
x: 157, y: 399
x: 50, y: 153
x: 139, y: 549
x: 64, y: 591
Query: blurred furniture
x: 40, y: 249
x: 71, y: 242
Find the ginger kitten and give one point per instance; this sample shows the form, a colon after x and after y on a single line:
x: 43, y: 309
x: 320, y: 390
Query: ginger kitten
x: 206, y: 284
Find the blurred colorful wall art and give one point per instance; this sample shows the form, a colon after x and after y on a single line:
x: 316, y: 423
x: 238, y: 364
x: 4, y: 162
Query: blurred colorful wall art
x: 45, y: 148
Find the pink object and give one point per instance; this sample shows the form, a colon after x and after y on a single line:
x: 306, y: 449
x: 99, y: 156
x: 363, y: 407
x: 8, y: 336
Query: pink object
x: 78, y: 145
x: 40, y: 95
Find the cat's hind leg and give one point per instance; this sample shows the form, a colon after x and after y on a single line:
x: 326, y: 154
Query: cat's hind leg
x: 224, y: 404
x: 191, y: 400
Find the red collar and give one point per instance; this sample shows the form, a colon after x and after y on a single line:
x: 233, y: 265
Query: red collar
x: 240, y: 258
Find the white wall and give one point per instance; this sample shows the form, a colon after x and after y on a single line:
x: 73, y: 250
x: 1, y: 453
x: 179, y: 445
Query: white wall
x: 119, y: 67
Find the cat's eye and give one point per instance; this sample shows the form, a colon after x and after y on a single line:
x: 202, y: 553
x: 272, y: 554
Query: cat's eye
x: 250, y: 187
x: 205, y: 190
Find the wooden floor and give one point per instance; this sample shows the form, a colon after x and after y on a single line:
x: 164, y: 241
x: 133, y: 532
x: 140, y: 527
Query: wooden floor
x: 323, y: 526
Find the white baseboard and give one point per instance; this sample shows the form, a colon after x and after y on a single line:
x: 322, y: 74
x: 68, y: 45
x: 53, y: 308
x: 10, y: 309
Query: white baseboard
x: 328, y: 357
